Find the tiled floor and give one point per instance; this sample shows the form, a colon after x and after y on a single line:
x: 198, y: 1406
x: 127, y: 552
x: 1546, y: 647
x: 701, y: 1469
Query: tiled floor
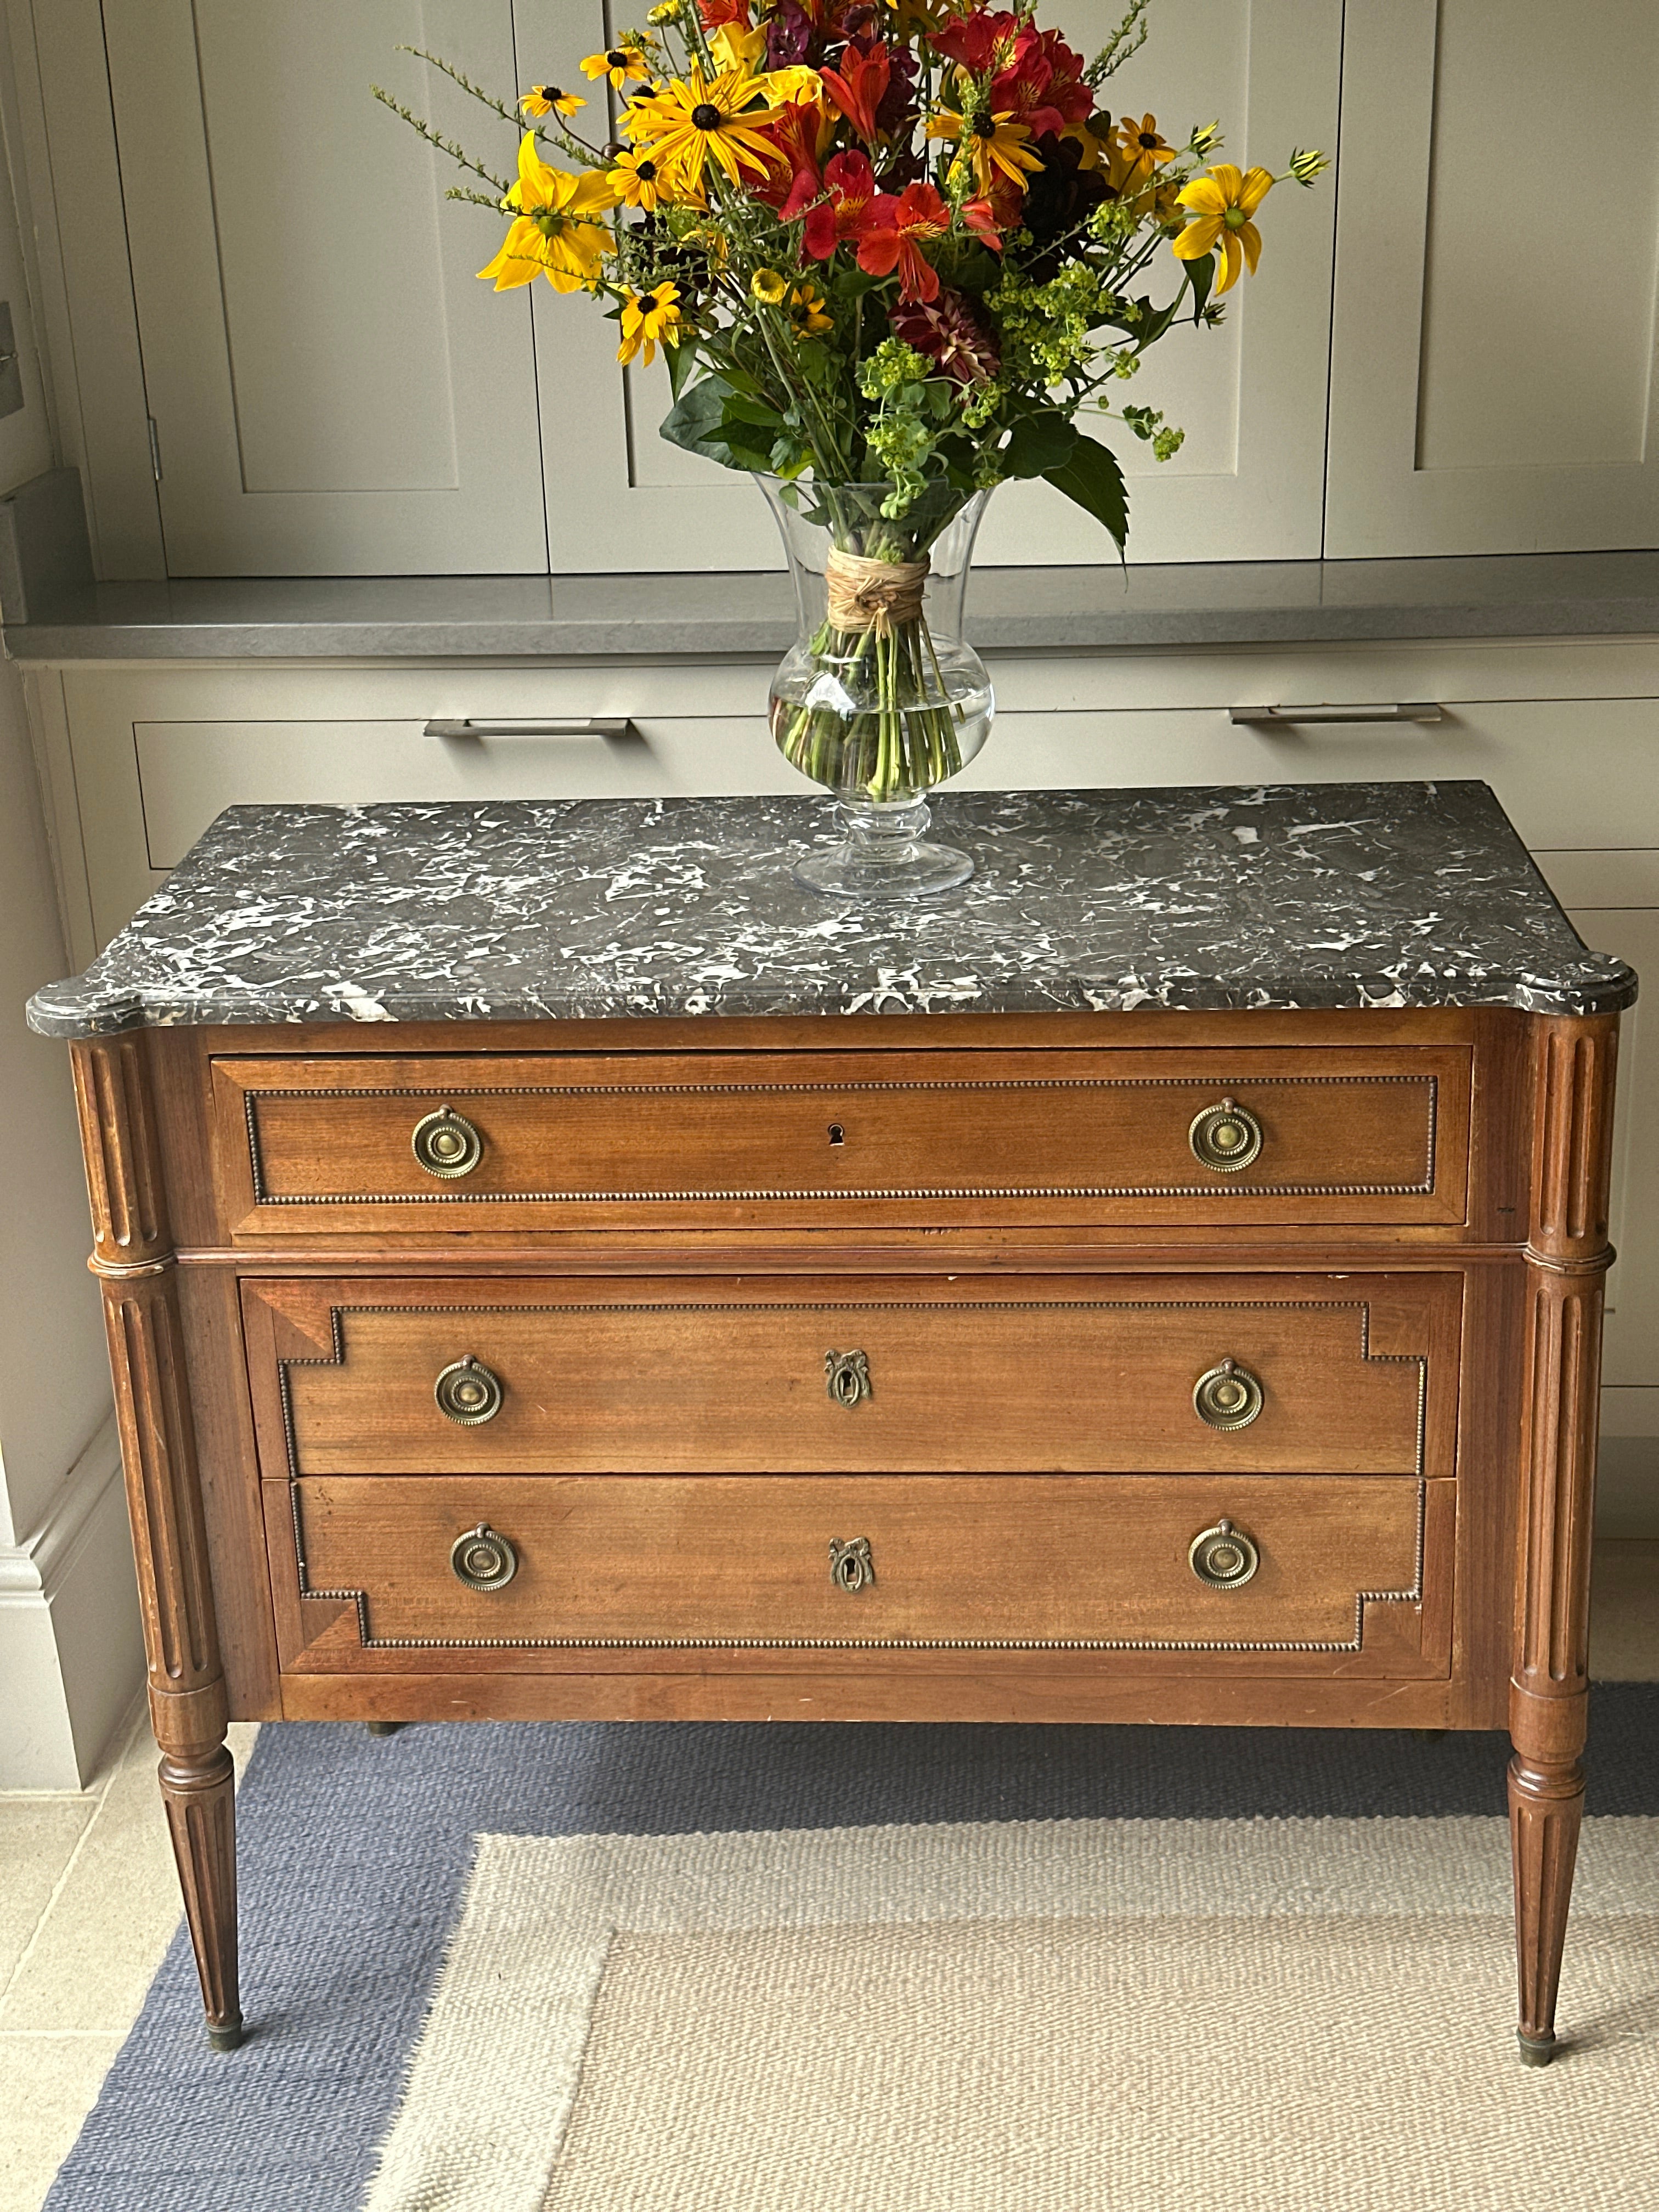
x: 88, y: 1903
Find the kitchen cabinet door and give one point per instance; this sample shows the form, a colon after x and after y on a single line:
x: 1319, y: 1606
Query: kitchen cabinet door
x: 1493, y: 345
x: 333, y: 392
x: 1247, y: 485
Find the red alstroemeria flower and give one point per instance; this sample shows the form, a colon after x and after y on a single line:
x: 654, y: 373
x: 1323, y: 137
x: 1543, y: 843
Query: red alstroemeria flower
x: 892, y: 239
x: 798, y: 135
x: 859, y: 87
x: 851, y: 183
x: 717, y: 14
x: 981, y: 218
x: 974, y: 41
x: 1066, y: 88
x: 1042, y: 85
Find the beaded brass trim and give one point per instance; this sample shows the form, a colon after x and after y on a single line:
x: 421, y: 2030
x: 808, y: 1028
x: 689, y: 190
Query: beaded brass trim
x: 263, y: 1196
x: 359, y: 1599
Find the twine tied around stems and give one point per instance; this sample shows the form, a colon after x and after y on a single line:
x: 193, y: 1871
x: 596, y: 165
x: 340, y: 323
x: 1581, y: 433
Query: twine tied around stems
x: 873, y: 594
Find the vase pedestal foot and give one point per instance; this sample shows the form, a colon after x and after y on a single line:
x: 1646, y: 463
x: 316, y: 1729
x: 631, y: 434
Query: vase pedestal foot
x: 884, y: 856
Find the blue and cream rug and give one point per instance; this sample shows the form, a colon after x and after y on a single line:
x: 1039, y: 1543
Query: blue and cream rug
x: 882, y: 1969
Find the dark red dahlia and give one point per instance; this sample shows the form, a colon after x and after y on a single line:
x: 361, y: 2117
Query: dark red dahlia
x: 949, y: 331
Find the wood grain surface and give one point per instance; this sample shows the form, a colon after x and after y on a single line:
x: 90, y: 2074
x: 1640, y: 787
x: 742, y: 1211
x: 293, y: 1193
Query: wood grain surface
x: 666, y: 1140
x: 1357, y: 1375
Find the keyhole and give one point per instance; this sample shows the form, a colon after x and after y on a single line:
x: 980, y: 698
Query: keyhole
x: 837, y: 1134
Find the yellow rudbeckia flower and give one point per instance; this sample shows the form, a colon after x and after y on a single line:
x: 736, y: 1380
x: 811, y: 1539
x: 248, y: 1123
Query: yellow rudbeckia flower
x: 551, y: 237
x: 638, y: 181
x: 550, y: 99
x: 1144, y: 146
x: 648, y: 322
x: 1221, y: 205
x: 810, y: 313
x: 990, y: 145
x: 697, y: 120
x: 619, y: 64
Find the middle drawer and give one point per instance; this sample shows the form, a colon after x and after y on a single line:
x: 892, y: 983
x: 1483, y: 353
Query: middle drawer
x: 1347, y: 1374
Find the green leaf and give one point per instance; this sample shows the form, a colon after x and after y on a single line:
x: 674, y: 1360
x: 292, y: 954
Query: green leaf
x: 1091, y: 476
x: 1201, y: 274
x: 1041, y: 443
x: 739, y: 409
x: 703, y: 421
x: 682, y: 364
x: 694, y: 420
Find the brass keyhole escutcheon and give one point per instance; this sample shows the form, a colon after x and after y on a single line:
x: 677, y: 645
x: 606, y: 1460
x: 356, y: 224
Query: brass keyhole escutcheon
x: 1226, y: 1138
x: 837, y: 1134
x: 1223, y: 1556
x: 447, y: 1145
x: 847, y: 1375
x: 1227, y: 1397
x: 468, y: 1393
x: 483, y: 1559
x: 851, y: 1567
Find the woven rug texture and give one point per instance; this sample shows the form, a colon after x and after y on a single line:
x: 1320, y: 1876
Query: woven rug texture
x: 730, y: 1968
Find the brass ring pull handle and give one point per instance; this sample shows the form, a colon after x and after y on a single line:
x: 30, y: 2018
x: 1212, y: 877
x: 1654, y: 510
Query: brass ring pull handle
x: 468, y: 1393
x: 847, y: 1375
x: 1227, y: 1397
x: 447, y: 1145
x: 1223, y: 1558
x: 851, y: 1567
x: 1226, y: 1138
x: 483, y: 1559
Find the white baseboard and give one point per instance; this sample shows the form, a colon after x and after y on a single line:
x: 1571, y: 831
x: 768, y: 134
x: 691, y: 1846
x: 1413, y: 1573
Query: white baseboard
x: 71, y: 1653
x: 1627, y: 1472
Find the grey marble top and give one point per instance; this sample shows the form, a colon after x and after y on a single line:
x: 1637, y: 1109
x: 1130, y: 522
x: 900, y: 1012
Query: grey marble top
x: 1010, y: 610
x: 1309, y: 895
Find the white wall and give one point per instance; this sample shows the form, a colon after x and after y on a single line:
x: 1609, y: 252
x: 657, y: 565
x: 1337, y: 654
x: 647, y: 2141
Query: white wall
x: 70, y: 1657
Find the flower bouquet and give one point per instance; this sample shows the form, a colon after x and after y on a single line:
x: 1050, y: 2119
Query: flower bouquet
x: 892, y: 250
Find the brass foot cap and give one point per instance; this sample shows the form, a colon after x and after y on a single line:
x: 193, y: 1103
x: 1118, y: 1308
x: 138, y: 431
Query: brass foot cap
x: 383, y: 1728
x: 228, y: 2038
x: 1535, y: 2050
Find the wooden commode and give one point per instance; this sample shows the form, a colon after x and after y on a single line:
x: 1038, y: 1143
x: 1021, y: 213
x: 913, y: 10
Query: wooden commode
x: 554, y: 1269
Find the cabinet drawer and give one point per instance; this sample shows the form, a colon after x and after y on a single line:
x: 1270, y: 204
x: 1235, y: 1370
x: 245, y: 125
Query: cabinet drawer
x: 1096, y: 1563
x: 656, y: 1140
x: 1352, y: 1374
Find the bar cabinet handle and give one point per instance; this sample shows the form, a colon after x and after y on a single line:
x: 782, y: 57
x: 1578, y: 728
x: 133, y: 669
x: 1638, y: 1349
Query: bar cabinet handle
x: 615, y: 729
x: 1399, y: 710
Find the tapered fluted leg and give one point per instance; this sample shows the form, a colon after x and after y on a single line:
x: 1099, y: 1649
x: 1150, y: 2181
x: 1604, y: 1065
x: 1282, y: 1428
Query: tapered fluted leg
x: 1545, y: 1804
x: 1568, y: 1255
x: 201, y: 1804
x: 133, y: 1256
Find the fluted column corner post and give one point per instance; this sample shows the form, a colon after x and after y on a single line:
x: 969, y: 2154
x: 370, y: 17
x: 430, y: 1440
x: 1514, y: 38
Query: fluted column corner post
x: 133, y: 1258
x: 1567, y: 1259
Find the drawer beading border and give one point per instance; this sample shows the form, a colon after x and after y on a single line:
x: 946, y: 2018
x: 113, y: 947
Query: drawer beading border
x: 263, y: 1196
x: 359, y: 1599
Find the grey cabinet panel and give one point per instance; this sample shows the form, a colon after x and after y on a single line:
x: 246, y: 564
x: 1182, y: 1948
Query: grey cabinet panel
x: 334, y: 392
x: 1492, y: 344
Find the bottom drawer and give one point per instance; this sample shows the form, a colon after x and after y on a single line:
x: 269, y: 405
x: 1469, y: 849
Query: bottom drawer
x: 511, y: 1565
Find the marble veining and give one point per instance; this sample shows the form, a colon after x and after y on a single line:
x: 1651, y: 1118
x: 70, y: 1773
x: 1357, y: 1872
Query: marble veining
x: 1283, y: 895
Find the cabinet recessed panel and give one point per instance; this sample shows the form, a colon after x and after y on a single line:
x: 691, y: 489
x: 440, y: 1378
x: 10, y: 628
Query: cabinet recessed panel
x: 1568, y: 384
x: 333, y: 391
x: 1493, y: 323
x: 343, y: 381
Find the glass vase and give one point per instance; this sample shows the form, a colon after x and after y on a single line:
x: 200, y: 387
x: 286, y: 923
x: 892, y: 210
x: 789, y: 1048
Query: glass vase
x: 880, y: 698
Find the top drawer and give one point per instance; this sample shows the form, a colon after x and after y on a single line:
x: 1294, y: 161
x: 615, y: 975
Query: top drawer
x: 656, y: 1140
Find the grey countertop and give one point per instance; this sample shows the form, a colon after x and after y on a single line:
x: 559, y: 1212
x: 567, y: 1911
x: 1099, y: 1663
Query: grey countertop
x: 1010, y: 610
x: 1316, y: 894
